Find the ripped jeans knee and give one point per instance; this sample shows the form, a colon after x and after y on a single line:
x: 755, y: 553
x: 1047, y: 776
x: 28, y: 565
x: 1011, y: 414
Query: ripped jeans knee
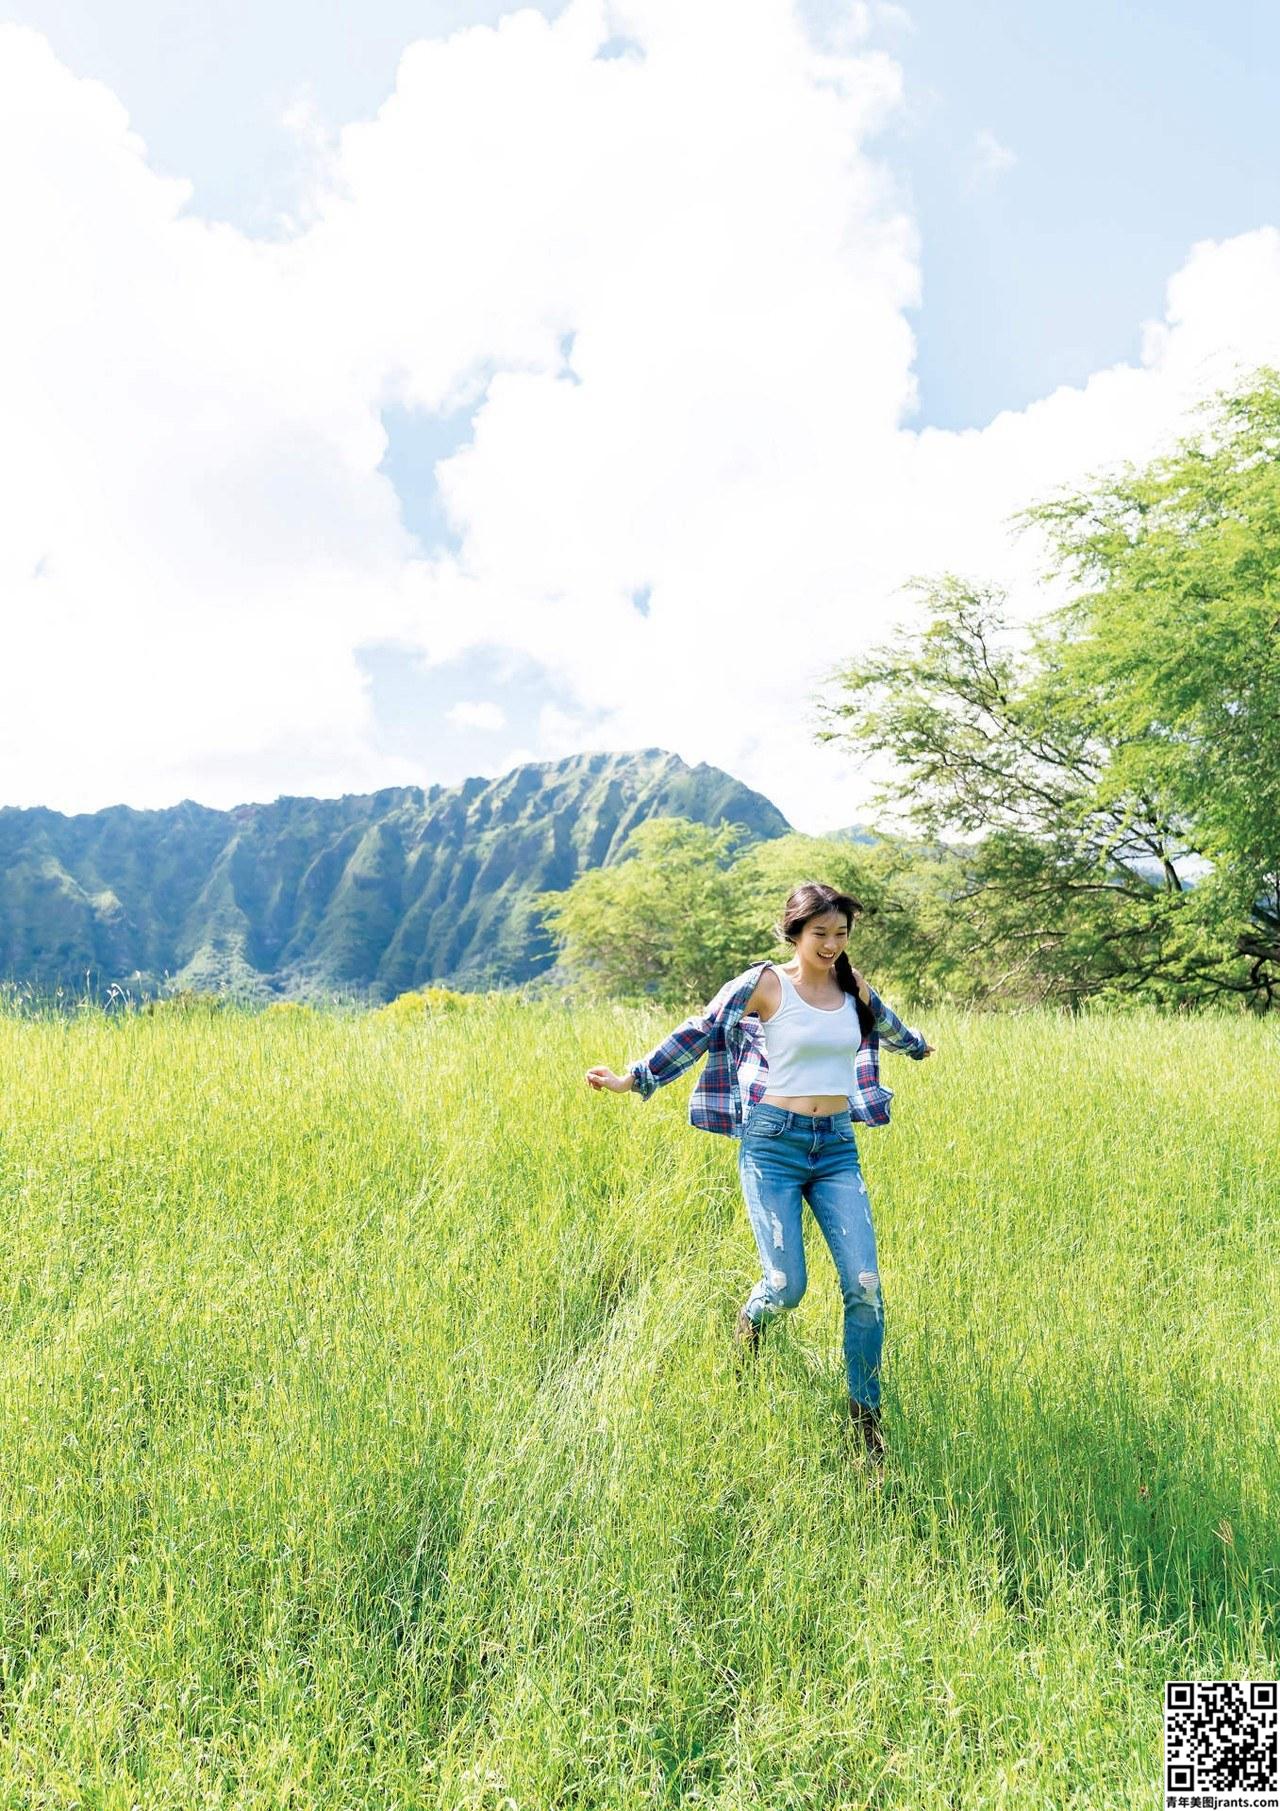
x: 863, y: 1298
x: 782, y: 1289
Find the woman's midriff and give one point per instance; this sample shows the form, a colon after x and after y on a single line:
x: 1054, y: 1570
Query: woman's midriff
x: 808, y: 1103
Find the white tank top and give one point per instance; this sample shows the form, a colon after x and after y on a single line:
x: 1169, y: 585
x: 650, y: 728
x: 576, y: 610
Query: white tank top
x: 810, y: 1048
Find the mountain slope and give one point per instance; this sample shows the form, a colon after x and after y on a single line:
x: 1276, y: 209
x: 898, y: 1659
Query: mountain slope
x: 369, y: 894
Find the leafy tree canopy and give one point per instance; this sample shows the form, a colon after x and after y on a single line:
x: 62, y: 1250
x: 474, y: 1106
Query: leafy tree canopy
x: 658, y: 923
x: 1127, y: 737
x: 687, y: 907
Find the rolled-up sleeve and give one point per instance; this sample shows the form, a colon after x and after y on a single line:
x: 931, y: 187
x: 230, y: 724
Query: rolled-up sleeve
x: 643, y: 1080
x: 891, y: 1031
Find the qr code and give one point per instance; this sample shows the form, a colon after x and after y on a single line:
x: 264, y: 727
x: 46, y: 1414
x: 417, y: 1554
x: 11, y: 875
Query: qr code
x: 1220, y: 1745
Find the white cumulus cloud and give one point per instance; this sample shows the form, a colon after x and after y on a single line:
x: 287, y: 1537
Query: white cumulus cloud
x: 198, y: 536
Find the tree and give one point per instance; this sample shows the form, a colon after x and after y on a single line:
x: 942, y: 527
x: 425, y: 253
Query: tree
x: 660, y: 923
x: 1174, y: 641
x: 1097, y: 756
x: 687, y: 907
x: 900, y: 885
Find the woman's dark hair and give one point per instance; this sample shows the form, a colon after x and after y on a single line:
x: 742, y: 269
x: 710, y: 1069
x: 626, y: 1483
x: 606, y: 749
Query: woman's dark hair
x: 807, y: 901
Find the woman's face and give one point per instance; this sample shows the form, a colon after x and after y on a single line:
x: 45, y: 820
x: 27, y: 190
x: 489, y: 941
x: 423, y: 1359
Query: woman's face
x: 823, y: 938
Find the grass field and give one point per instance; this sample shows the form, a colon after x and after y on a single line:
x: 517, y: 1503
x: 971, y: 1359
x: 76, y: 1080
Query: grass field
x: 371, y: 1433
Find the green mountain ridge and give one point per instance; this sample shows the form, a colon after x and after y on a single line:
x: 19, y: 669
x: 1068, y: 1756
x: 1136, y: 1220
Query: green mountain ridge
x: 364, y: 896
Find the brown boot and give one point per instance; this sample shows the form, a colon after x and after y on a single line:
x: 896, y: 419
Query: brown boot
x: 746, y: 1335
x: 864, y: 1422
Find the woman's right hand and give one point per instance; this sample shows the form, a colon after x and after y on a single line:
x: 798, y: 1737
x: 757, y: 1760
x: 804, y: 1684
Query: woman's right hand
x: 600, y: 1077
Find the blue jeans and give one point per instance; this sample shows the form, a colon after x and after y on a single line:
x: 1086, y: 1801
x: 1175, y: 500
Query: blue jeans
x: 784, y: 1160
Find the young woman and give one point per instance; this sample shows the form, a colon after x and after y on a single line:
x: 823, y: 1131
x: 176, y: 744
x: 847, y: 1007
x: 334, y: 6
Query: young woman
x: 792, y: 1062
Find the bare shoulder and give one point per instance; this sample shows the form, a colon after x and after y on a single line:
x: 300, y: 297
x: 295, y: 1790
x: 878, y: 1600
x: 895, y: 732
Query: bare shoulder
x: 767, y: 997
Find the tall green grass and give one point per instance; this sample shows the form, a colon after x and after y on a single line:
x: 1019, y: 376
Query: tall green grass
x: 371, y: 1435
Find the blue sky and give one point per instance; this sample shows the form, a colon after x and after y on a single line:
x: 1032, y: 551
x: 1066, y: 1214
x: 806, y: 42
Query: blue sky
x: 1134, y: 131
x: 554, y: 400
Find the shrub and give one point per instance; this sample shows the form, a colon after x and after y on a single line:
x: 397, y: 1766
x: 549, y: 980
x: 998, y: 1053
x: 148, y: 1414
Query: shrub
x: 188, y: 1003
x: 424, y: 1000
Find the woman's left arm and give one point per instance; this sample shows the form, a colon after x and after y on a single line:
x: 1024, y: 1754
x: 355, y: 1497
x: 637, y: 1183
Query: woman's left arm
x: 893, y: 1034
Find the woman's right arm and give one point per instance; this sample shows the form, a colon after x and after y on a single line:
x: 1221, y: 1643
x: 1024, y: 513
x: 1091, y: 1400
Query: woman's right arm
x: 671, y: 1058
x: 601, y: 1077
x: 680, y: 1050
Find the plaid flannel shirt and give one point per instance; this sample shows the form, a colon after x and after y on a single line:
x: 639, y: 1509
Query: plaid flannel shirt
x: 736, y: 1075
